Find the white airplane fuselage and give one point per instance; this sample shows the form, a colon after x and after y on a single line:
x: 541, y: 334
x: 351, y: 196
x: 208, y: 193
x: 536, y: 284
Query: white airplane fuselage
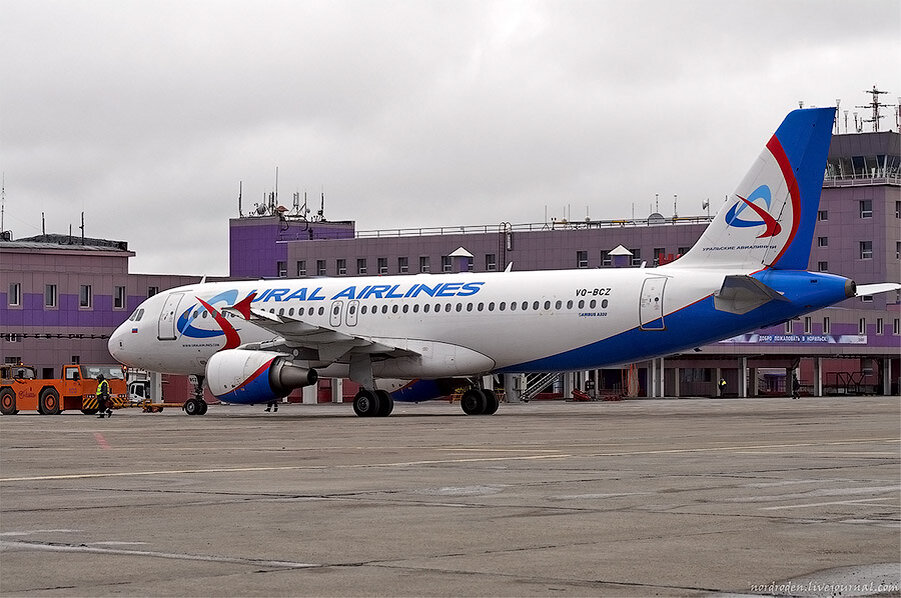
x: 464, y: 324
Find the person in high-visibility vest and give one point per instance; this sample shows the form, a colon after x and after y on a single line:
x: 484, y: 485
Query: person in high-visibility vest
x: 103, y: 401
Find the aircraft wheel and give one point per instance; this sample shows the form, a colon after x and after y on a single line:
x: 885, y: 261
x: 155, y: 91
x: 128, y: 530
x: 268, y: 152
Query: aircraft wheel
x: 8, y: 402
x: 203, y: 408
x: 366, y: 403
x: 192, y: 407
x: 491, y: 402
x: 386, y: 403
x: 48, y: 404
x: 473, y: 402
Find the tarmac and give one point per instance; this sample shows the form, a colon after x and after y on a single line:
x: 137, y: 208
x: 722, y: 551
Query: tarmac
x: 687, y: 497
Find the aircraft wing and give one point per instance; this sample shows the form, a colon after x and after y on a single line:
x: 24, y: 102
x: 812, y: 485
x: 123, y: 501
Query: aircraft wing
x: 331, y: 345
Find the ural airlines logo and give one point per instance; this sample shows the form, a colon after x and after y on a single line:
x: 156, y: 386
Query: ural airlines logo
x: 733, y: 216
x: 185, y: 323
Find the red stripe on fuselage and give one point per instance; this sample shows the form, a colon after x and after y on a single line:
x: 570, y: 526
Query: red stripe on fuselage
x: 776, y: 149
x: 232, y: 339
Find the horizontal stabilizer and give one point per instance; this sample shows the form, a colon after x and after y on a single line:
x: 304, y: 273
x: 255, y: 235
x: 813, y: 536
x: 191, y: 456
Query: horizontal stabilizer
x: 864, y: 290
x: 741, y: 294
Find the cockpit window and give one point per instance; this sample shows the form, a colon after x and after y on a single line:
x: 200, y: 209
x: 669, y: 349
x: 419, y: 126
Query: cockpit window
x: 137, y: 315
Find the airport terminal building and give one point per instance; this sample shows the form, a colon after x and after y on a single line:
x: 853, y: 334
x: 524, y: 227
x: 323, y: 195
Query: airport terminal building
x: 61, y: 296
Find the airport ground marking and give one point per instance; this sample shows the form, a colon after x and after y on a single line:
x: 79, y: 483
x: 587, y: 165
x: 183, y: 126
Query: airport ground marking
x: 55, y: 547
x: 859, y: 501
x: 436, y: 461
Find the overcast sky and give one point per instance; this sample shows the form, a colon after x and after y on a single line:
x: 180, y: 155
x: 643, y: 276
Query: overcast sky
x: 146, y: 115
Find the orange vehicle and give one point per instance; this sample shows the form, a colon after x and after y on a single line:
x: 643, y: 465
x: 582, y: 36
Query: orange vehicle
x: 21, y: 389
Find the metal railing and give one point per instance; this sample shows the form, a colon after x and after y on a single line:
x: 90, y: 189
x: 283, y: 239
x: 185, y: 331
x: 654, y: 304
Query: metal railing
x: 554, y: 225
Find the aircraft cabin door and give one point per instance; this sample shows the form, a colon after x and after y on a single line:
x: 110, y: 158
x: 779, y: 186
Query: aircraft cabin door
x: 337, y: 310
x: 166, y: 330
x: 650, y: 309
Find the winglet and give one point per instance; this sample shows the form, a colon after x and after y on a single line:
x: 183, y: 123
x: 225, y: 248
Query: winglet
x: 243, y: 306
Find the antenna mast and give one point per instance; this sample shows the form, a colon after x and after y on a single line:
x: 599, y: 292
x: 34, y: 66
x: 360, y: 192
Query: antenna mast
x: 875, y: 105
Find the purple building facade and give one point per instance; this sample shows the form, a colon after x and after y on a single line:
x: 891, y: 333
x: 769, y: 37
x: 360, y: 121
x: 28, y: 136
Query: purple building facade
x: 61, y: 297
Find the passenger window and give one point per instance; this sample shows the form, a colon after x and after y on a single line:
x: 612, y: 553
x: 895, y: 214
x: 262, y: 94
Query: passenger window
x: 558, y: 305
x: 547, y: 305
x: 406, y: 308
x: 525, y: 305
x: 459, y: 307
x: 321, y: 311
x: 512, y: 306
x: 535, y: 305
x: 384, y: 309
x: 426, y: 307
x: 569, y: 304
x: 469, y: 307
x: 593, y: 304
x: 490, y: 306
x: 416, y: 309
x: 291, y: 312
x: 394, y: 309
x: 364, y: 309
x: 604, y: 304
x: 502, y: 306
x: 447, y: 307
x: 281, y: 311
x: 581, y: 303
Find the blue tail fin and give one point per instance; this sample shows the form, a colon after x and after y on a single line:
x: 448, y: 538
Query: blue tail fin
x: 768, y: 222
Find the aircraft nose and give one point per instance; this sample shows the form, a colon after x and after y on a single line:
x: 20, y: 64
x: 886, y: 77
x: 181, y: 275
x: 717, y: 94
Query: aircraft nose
x: 116, y: 343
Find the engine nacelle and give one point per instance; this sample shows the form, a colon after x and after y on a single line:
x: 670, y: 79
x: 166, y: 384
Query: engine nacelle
x: 242, y: 376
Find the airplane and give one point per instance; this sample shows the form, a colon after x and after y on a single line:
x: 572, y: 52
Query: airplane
x: 256, y: 341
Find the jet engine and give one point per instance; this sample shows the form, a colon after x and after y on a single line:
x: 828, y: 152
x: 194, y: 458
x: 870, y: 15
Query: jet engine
x: 243, y: 376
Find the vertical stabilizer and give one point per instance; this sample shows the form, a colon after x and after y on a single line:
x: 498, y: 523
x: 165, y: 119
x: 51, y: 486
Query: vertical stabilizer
x: 768, y: 222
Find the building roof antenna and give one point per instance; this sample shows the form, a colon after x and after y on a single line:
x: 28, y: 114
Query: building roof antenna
x: 875, y: 105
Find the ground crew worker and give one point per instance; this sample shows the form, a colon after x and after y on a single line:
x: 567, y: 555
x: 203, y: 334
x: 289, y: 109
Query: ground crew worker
x: 103, y: 400
x: 722, y: 387
x: 796, y: 386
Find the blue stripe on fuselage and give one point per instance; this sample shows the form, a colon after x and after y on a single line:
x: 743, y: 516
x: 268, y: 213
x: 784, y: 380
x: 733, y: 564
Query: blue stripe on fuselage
x: 698, y: 324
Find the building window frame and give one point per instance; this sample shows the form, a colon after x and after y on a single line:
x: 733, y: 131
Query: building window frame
x: 827, y: 325
x: 301, y: 267
x: 152, y: 290
x: 361, y: 266
x: 491, y: 262
x: 51, y: 295
x: 866, y: 208
x: 581, y: 259
x: 447, y: 264
x: 866, y: 250
x: 341, y: 266
x: 14, y: 298
x: 822, y: 215
x: 822, y: 266
x: 282, y: 268
x: 403, y: 265
x: 425, y: 265
x: 383, y: 265
x: 119, y: 298
x: 85, y: 296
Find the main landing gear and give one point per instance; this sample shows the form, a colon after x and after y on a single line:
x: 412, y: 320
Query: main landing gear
x: 479, y: 401
x: 373, y: 403
x: 196, y: 405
